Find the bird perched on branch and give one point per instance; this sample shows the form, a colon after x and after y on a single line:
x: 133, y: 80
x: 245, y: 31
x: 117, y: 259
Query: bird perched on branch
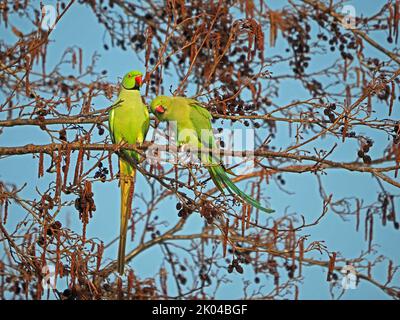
x: 194, y: 130
x: 128, y: 122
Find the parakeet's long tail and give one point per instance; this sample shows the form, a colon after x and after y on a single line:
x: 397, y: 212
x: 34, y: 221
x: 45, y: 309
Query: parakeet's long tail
x: 222, y: 180
x: 127, y: 184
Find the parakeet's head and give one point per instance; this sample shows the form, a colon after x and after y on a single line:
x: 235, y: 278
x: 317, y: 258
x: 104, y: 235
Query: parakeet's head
x: 161, y: 108
x: 132, y: 80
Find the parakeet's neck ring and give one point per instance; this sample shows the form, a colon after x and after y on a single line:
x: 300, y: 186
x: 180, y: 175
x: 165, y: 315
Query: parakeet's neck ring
x: 136, y: 87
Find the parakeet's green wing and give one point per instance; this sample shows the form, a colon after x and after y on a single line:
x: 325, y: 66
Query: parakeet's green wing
x: 201, y: 119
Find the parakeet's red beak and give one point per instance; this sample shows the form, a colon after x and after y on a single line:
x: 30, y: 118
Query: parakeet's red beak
x: 138, y: 80
x: 159, y: 109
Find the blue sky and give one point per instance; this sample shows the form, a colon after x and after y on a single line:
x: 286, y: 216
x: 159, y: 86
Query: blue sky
x: 80, y: 28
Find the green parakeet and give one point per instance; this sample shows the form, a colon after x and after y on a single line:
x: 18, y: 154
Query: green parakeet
x: 194, y: 130
x: 128, y: 122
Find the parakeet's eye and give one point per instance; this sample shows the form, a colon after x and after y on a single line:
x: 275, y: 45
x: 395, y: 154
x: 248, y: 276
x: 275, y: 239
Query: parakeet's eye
x: 160, y: 109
